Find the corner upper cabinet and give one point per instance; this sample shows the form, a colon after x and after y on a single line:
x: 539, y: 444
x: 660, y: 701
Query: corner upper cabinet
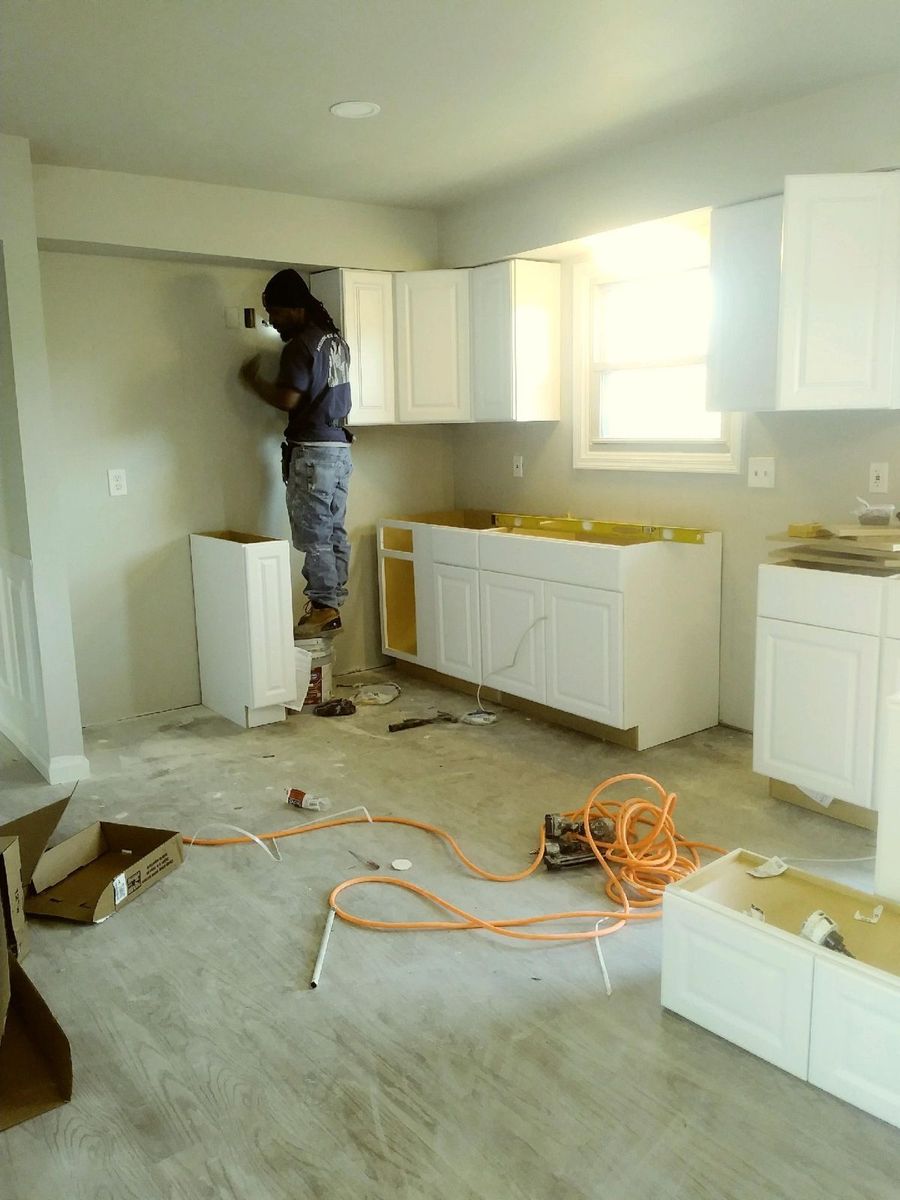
x: 362, y: 304
x: 515, y: 341
x: 433, y: 355
x: 806, y: 297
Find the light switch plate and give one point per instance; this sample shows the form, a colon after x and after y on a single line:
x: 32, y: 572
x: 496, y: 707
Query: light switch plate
x: 518, y: 466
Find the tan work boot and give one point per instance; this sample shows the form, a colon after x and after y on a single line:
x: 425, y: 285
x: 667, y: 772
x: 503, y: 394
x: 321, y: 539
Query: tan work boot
x: 317, y: 622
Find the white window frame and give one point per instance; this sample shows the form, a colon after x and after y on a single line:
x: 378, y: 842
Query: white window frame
x: 720, y: 457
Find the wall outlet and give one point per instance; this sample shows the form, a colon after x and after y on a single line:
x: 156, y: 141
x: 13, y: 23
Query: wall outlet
x: 118, y: 485
x: 878, y: 477
x: 761, y: 472
x: 518, y: 466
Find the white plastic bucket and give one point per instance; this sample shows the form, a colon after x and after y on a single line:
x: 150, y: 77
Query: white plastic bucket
x: 314, y: 659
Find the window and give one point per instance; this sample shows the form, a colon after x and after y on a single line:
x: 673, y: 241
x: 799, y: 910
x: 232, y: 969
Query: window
x: 642, y: 315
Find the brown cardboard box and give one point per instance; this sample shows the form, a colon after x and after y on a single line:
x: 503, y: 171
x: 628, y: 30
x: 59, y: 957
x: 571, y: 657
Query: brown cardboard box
x: 35, y: 1059
x: 90, y: 876
x: 22, y: 843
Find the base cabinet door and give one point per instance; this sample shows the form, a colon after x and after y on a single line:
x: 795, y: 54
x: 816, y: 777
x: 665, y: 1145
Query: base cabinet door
x: 854, y: 1050
x: 512, y: 635
x: 457, y: 627
x: 815, y: 708
x: 584, y: 652
x: 740, y: 981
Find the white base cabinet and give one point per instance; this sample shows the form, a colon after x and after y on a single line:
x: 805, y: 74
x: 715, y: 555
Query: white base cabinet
x: 826, y: 1018
x: 623, y: 635
x: 245, y: 637
x: 824, y: 667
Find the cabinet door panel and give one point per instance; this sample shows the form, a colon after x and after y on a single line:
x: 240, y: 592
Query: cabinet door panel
x: 457, y: 626
x: 839, y: 291
x: 270, y: 623
x: 512, y: 635
x: 362, y: 302
x: 584, y: 652
x: 816, y: 693
x: 369, y: 327
x: 854, y: 1050
x: 739, y: 980
x: 433, y: 360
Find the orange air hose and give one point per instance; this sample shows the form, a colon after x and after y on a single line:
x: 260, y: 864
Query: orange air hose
x: 647, y: 850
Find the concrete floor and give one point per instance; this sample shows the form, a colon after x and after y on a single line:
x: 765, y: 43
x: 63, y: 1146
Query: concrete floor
x: 426, y: 1065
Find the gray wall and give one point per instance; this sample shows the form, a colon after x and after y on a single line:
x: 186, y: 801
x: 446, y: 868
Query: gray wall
x: 143, y: 375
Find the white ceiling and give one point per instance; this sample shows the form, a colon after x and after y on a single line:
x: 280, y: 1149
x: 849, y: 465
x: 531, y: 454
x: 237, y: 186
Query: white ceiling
x: 473, y: 92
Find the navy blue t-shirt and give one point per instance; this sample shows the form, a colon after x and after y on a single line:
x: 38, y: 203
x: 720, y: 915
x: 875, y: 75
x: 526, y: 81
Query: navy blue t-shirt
x: 317, y: 364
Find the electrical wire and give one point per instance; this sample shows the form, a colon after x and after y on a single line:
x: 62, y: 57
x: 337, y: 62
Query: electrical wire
x: 645, y: 854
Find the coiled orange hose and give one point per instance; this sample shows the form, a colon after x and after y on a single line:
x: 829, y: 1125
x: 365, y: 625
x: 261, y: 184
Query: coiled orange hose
x: 647, y: 850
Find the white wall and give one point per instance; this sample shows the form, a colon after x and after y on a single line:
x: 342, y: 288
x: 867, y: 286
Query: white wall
x: 143, y: 373
x: 108, y: 209
x: 822, y: 460
x: 13, y: 513
x: 38, y: 696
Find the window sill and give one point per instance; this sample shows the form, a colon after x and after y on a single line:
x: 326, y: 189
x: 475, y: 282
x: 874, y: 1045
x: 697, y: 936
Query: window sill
x: 725, y: 462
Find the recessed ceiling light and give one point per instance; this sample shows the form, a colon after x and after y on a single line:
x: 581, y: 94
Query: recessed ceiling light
x: 354, y: 109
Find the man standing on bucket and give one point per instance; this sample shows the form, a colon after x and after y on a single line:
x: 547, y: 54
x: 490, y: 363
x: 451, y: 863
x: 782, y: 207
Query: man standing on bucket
x: 313, y: 388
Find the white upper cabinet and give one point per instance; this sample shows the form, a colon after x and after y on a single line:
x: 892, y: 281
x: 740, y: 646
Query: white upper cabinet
x: 515, y: 341
x: 745, y: 267
x: 362, y: 304
x: 433, y: 359
x: 840, y: 284
x: 807, y: 297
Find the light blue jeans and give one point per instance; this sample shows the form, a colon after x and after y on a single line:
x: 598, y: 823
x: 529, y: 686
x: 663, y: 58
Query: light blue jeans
x: 317, y: 506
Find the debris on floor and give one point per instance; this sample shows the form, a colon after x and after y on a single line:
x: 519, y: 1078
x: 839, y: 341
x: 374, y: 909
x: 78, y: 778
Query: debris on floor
x: 417, y: 722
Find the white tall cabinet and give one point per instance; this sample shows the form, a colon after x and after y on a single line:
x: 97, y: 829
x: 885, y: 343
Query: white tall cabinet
x: 362, y: 304
x: 515, y: 341
x: 433, y: 354
x: 806, y: 297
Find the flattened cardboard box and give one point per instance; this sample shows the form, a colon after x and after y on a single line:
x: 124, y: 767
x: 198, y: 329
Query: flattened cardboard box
x: 90, y: 876
x: 21, y: 844
x: 35, y: 1058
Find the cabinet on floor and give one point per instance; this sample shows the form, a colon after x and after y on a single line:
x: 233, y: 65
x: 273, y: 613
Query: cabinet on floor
x: 806, y: 297
x: 245, y: 636
x: 623, y: 633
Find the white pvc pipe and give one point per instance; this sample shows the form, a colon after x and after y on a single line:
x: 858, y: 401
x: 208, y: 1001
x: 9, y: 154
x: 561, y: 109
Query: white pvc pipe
x: 323, y: 949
